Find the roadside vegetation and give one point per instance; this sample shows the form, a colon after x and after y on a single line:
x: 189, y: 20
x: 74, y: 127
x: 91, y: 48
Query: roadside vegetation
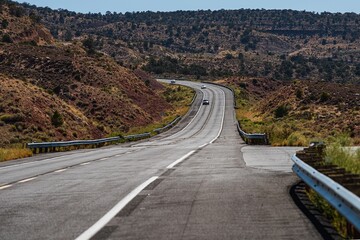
x: 338, y: 153
x: 336, y: 219
x: 179, y: 97
x: 298, y: 112
x: 7, y: 154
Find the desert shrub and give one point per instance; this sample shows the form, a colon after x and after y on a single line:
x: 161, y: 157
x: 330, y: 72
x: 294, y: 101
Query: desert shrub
x: 89, y: 44
x: 6, y: 38
x: 12, y: 118
x: 243, y: 85
x: 279, y: 133
x: 281, y: 111
x: 56, y: 119
x: 296, y: 139
x: 324, y: 97
x: 299, y: 93
x: 4, y: 23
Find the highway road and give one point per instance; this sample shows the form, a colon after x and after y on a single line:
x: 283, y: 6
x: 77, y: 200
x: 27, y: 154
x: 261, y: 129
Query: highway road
x: 197, y: 181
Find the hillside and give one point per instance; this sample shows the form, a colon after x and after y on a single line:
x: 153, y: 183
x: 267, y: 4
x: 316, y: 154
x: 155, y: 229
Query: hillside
x: 297, y: 112
x: 301, y: 65
x: 51, y: 90
x: 278, y: 44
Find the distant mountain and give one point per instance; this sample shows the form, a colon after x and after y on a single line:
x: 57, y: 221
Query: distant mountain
x: 278, y: 44
x: 53, y: 90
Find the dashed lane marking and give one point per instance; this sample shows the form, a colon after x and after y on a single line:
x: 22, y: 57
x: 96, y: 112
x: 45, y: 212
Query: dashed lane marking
x: 181, y: 159
x: 27, y: 180
x: 4, y: 187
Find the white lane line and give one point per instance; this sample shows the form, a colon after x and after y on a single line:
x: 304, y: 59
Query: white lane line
x: 222, y: 120
x: 197, y: 113
x: 119, y: 155
x: 181, y: 159
x: 102, y: 159
x: 115, y: 210
x: 85, y: 163
x: 5, y: 186
x: 204, y: 145
x: 60, y: 170
x: 27, y: 180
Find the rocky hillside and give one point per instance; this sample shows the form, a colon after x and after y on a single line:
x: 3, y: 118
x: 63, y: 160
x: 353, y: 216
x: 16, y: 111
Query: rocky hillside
x: 278, y: 44
x: 51, y: 90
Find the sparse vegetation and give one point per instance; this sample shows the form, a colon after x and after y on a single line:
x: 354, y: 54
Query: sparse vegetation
x: 281, y: 111
x: 6, y: 38
x: 340, y: 154
x: 337, y: 220
x: 179, y: 97
x: 57, y: 119
x: 242, y: 43
x: 11, y: 118
x: 14, y: 153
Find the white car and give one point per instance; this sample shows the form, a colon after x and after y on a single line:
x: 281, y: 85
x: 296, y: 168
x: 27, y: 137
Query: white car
x: 203, y: 86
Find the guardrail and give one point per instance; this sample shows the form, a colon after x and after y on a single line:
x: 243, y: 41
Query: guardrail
x: 170, y: 125
x: 254, y: 138
x: 45, y: 147
x: 232, y: 90
x: 343, y: 200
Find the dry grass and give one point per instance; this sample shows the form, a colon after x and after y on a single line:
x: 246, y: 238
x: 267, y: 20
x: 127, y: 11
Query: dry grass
x: 7, y: 154
x: 179, y: 97
x: 339, y: 154
x: 338, y: 221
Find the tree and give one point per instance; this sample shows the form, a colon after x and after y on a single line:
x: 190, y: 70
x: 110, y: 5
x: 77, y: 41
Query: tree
x: 35, y: 18
x: 68, y: 36
x: 89, y: 44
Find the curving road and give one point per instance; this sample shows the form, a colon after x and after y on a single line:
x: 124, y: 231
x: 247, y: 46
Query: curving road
x: 197, y: 181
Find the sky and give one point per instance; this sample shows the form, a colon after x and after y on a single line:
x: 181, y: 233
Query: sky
x: 123, y: 6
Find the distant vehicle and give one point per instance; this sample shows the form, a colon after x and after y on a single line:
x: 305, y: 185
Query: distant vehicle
x: 172, y: 81
x: 203, y: 86
x: 206, y: 102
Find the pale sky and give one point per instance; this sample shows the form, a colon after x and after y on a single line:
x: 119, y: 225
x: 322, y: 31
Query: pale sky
x: 86, y: 6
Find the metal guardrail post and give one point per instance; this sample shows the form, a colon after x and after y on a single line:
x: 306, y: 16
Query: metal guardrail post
x: 344, y: 201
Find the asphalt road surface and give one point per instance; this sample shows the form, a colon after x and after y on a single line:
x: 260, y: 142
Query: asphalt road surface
x: 197, y: 181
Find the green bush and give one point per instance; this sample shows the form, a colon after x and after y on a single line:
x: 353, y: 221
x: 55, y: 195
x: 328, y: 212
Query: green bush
x: 4, y: 23
x: 6, y: 38
x: 56, y: 119
x: 12, y: 118
x: 299, y: 93
x: 324, y: 97
x: 281, y: 111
